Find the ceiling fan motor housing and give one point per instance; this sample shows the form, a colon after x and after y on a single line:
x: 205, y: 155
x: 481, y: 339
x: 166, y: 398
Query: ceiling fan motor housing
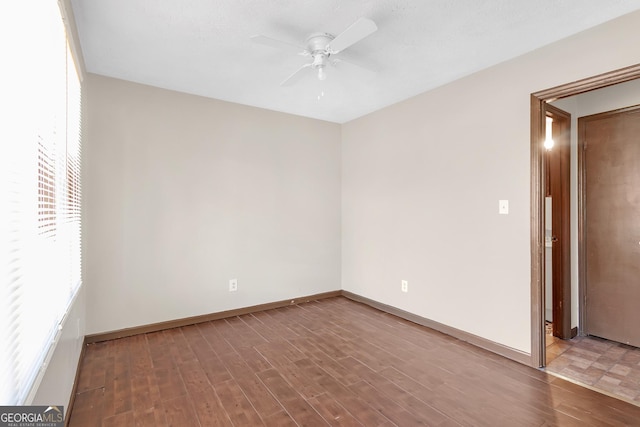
x: 317, y: 47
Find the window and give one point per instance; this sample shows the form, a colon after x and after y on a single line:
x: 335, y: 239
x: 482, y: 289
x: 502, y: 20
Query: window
x: 40, y: 231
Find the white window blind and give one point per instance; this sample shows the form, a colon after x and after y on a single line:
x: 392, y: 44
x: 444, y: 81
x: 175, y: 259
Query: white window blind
x: 41, y: 191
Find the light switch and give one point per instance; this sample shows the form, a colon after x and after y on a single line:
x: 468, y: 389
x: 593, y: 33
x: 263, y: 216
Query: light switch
x: 503, y: 207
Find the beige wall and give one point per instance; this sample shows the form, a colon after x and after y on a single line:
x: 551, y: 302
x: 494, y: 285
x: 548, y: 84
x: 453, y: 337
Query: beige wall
x: 422, y: 180
x: 184, y: 193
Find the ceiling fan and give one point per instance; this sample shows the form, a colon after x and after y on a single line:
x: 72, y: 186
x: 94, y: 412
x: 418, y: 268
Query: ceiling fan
x: 321, y: 47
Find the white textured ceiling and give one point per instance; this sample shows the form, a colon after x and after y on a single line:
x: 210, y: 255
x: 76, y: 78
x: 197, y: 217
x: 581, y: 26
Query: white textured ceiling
x: 203, y: 47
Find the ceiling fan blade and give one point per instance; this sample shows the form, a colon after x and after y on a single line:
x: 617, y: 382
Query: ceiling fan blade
x: 356, y: 32
x: 354, y: 65
x: 278, y: 44
x: 295, y: 77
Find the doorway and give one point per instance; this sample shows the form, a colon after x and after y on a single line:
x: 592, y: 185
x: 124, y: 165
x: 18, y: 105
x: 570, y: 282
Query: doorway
x: 538, y: 118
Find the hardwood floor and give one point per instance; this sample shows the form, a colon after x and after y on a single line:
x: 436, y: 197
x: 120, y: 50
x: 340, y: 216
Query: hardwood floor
x: 330, y: 362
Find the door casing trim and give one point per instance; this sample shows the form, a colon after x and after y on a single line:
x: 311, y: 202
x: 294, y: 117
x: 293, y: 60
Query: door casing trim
x: 538, y: 99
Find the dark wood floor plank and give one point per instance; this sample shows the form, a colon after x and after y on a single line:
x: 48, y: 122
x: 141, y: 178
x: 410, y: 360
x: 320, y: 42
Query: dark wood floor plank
x: 578, y: 405
x: 201, y: 349
x: 281, y: 329
x: 209, y: 409
x: 239, y: 409
x: 180, y: 350
x: 387, y: 407
x: 240, y: 336
x: 253, y: 359
x: 402, y: 397
x: 198, y: 344
x: 264, y: 403
x: 215, y: 370
x: 280, y: 419
x: 213, y: 337
x: 92, y: 369
x: 293, y: 402
x: 145, y: 393
x: 279, y: 354
x: 122, y: 379
x: 267, y: 332
x: 88, y: 408
x: 139, y: 356
x: 341, y: 329
x: 160, y: 350
x: 303, y: 413
x: 326, y: 362
x: 357, y: 405
x: 333, y: 412
x: 330, y: 362
x: 300, y: 376
x: 509, y: 410
x: 278, y: 386
x: 439, y: 397
x: 279, y: 317
x: 194, y: 377
x: 109, y: 389
x: 169, y: 382
x: 242, y: 332
x: 180, y: 412
x: 154, y: 416
x: 124, y: 419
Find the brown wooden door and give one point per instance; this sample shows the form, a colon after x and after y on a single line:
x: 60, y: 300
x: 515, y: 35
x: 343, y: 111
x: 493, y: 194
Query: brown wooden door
x: 611, y: 147
x: 558, y: 183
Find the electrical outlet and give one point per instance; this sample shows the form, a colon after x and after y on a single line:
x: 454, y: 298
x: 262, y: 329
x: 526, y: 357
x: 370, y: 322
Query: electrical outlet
x: 405, y: 286
x: 233, y: 285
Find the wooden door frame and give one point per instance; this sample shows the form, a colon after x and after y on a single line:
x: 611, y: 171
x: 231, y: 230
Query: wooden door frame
x: 558, y: 165
x: 538, y: 101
